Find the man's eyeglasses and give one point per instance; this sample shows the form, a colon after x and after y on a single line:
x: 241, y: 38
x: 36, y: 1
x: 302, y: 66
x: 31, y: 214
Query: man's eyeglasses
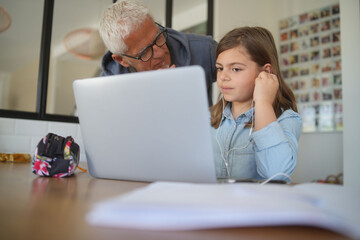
x: 147, y: 53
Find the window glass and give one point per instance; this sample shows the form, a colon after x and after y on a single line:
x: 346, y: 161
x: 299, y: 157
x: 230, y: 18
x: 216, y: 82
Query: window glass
x: 157, y: 9
x: 20, y: 37
x: 190, y: 16
x: 76, y: 50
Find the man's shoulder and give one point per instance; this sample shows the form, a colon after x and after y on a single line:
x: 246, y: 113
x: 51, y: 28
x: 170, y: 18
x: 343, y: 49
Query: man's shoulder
x: 190, y: 37
x: 193, y: 36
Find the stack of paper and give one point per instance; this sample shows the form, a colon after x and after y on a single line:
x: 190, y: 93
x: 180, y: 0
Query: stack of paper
x: 186, y: 206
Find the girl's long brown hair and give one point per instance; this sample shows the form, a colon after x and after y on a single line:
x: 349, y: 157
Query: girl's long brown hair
x: 260, y: 45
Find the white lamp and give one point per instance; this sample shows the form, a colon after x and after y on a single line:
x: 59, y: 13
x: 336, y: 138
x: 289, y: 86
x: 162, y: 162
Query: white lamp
x: 5, y: 19
x: 85, y: 43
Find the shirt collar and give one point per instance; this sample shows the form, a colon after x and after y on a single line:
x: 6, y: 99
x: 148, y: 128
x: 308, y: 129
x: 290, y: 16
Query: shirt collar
x: 227, y: 113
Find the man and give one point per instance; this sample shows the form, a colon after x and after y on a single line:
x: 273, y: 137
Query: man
x: 136, y: 43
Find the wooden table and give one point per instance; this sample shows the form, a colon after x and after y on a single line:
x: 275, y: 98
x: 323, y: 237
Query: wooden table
x: 33, y: 207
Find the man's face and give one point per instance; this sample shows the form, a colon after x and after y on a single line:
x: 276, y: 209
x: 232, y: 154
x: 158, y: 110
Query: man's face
x: 137, y: 41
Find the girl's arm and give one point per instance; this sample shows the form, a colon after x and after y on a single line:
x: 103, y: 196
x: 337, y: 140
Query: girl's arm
x: 276, y: 146
x: 276, y: 140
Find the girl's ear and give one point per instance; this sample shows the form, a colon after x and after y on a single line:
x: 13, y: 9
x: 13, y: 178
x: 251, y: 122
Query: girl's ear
x: 268, y: 68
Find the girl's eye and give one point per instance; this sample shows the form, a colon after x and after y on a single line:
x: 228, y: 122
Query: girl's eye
x: 219, y: 69
x: 236, y: 69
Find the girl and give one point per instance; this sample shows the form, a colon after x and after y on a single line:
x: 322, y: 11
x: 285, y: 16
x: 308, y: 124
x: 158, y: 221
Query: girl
x: 255, y: 123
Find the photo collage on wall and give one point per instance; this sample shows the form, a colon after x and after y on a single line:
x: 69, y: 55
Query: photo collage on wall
x: 310, y: 60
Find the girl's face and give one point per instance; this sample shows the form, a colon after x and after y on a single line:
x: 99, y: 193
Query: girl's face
x: 236, y: 74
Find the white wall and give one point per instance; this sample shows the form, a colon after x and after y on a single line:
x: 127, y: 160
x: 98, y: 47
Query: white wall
x: 320, y: 154
x: 22, y: 136
x: 350, y: 47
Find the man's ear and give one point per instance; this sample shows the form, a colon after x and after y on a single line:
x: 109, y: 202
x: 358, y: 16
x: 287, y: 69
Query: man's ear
x: 121, y: 60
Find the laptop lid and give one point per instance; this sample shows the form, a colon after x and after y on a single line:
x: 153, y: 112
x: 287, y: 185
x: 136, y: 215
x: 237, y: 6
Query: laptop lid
x: 147, y: 126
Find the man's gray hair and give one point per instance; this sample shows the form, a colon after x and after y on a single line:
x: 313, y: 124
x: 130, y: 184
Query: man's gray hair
x: 119, y: 20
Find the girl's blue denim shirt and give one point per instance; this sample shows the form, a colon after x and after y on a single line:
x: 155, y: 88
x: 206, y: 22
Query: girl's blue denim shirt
x: 266, y: 152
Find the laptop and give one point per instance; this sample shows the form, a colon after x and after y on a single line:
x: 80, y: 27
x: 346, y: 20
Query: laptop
x: 147, y: 126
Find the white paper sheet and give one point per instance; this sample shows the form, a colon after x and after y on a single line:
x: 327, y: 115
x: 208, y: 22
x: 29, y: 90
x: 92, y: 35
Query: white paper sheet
x: 186, y: 206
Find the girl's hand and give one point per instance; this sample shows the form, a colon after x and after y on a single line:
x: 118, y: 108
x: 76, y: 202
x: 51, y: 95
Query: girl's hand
x: 266, y: 87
